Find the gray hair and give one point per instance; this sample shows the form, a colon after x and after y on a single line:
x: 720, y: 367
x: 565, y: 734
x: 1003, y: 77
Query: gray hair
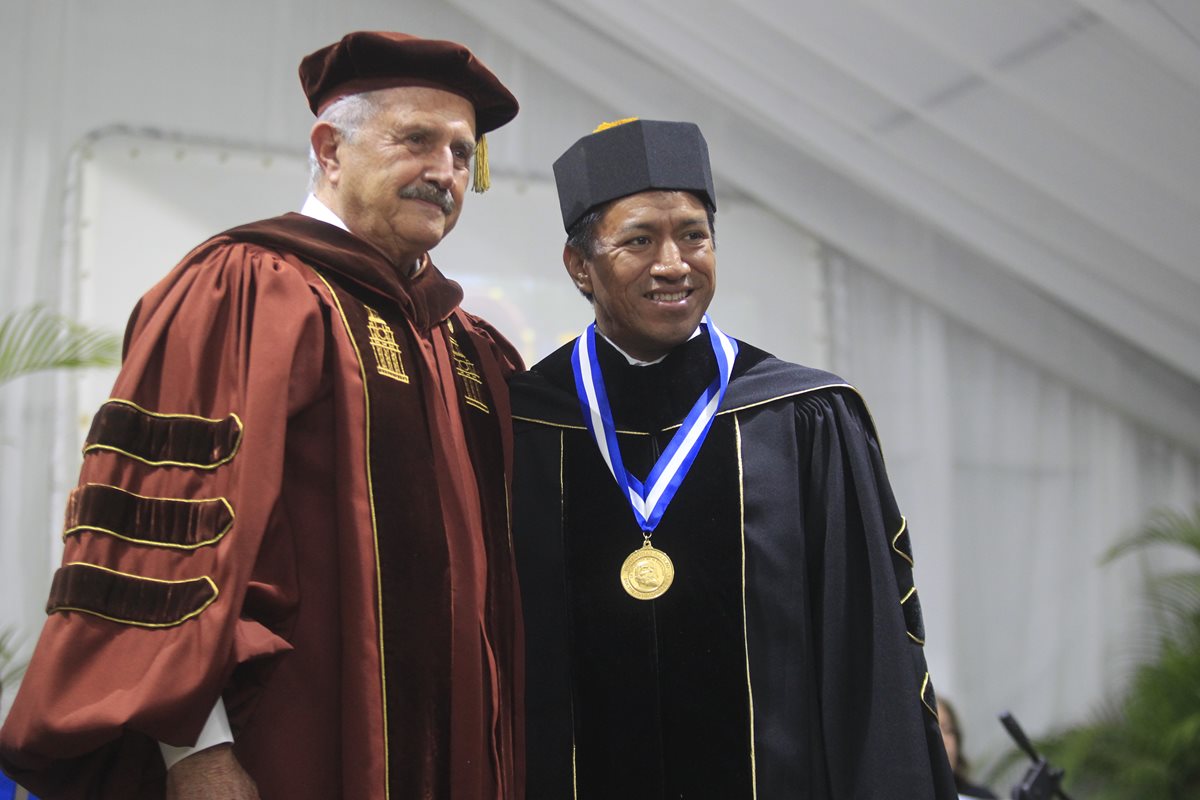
x: 347, y: 116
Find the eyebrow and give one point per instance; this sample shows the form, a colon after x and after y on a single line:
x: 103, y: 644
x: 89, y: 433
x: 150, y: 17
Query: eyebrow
x: 467, y: 144
x: 425, y: 129
x: 646, y: 226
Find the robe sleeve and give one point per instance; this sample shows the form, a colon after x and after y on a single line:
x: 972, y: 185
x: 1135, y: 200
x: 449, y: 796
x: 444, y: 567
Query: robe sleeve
x: 152, y: 608
x: 878, y: 718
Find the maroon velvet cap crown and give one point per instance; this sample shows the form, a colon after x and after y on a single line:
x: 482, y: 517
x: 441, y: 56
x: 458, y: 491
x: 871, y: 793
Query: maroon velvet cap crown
x: 367, y: 60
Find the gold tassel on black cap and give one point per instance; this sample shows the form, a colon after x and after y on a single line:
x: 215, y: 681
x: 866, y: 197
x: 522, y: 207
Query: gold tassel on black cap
x: 481, y: 180
x: 603, y: 126
x: 629, y: 156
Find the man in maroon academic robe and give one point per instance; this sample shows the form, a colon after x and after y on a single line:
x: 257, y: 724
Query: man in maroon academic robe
x: 287, y: 568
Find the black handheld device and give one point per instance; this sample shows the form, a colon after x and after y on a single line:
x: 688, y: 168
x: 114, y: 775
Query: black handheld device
x: 1042, y: 780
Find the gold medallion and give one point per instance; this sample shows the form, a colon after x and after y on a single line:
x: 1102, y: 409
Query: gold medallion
x: 647, y: 573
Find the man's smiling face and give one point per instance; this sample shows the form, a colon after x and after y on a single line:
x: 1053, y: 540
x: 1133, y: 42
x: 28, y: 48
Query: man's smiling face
x: 653, y: 273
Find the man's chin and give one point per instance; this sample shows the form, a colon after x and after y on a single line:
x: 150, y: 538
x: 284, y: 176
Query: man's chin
x: 428, y: 238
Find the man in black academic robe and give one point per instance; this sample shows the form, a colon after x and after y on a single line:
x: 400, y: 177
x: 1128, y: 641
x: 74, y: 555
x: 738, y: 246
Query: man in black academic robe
x: 784, y: 659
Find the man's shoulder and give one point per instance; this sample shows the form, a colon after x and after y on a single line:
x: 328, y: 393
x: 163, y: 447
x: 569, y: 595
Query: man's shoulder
x: 546, y: 391
x: 225, y: 264
x: 553, y: 367
x: 290, y: 233
x: 289, y: 243
x: 279, y: 236
x: 761, y: 378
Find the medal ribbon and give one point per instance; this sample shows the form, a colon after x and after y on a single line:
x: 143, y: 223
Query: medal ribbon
x: 650, y: 500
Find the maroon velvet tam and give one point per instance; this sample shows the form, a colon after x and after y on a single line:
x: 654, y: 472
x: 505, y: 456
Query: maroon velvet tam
x: 367, y: 60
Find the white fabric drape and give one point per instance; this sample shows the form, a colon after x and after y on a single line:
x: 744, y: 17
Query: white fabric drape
x: 1014, y: 484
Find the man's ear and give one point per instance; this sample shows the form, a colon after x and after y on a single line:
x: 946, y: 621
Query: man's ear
x: 579, y: 270
x: 325, y: 140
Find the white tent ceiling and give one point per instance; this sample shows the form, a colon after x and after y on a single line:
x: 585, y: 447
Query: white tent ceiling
x: 1054, y: 139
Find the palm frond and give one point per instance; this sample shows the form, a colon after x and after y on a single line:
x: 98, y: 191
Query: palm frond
x: 10, y: 669
x: 1145, y: 742
x: 1164, y: 527
x: 1177, y: 596
x: 35, y: 339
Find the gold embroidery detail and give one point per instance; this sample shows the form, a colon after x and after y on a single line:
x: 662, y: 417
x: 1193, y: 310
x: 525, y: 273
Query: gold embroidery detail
x: 768, y: 400
x: 896, y: 539
x: 383, y: 344
x: 472, y: 383
x: 562, y: 522
x: 908, y: 596
x: 362, y: 371
x: 737, y: 434
x: 924, y: 691
x: 563, y: 426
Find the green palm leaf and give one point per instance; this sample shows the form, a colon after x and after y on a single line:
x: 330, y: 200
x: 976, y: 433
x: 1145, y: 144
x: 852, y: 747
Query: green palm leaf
x: 10, y: 670
x: 34, y: 339
x: 1164, y: 527
x: 1145, y: 743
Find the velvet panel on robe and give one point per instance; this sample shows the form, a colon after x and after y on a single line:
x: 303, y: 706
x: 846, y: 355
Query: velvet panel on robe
x: 296, y: 500
x: 785, y: 661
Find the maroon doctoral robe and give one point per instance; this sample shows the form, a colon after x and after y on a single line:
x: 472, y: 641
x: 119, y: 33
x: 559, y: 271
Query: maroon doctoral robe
x: 296, y: 500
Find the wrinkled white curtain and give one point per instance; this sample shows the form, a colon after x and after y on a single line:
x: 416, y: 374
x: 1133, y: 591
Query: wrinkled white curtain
x: 1014, y: 484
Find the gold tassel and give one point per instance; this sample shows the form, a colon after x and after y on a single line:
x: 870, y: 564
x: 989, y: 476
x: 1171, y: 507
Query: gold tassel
x: 481, y: 180
x: 603, y: 126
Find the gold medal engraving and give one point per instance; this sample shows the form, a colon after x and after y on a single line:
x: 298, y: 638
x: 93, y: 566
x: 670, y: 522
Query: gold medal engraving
x: 647, y: 573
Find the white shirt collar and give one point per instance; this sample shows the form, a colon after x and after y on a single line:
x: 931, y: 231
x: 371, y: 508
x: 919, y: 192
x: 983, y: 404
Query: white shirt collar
x: 637, y: 362
x: 317, y: 210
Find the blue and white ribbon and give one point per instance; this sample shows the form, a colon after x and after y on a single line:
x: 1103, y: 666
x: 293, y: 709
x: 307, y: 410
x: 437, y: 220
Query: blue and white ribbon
x: 650, y: 499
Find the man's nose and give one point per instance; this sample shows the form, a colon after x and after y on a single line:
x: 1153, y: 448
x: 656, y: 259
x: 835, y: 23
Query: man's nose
x: 669, y: 264
x: 439, y: 169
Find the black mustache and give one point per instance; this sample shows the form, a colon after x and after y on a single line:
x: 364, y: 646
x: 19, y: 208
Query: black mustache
x: 430, y: 194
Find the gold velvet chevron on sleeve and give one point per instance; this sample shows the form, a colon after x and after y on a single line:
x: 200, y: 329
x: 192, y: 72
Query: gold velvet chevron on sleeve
x: 913, y: 620
x: 901, y: 544
x: 128, y: 599
x: 164, y: 439
x: 153, y: 521
x: 98, y: 509
x: 910, y: 604
x: 928, y: 698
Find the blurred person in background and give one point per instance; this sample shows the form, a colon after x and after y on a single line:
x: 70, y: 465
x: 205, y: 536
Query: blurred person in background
x: 952, y: 737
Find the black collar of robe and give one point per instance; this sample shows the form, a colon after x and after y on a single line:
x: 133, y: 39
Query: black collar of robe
x: 658, y: 396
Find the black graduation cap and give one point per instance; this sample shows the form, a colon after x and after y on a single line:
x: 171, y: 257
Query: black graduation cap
x: 628, y: 157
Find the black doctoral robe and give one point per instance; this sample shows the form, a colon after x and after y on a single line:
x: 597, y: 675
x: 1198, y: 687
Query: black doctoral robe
x: 786, y: 659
